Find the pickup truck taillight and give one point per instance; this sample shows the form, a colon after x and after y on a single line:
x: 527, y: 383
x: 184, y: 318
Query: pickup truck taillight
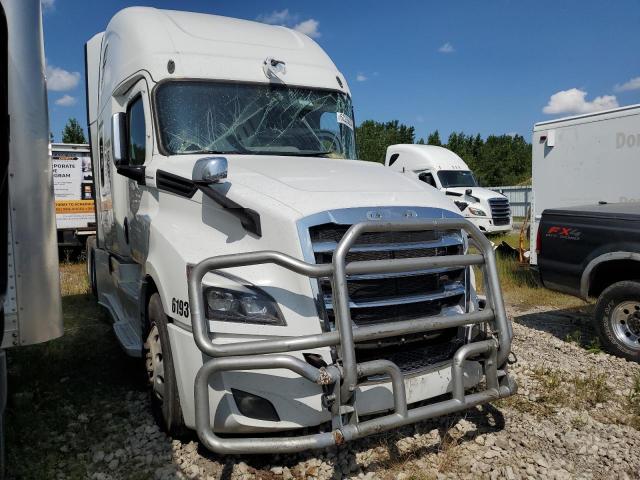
x: 538, y: 242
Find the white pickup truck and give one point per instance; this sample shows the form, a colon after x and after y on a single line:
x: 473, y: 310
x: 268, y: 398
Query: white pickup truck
x: 446, y: 171
x: 271, y: 281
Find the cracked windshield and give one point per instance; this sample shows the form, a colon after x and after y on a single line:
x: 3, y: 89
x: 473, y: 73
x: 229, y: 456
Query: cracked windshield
x: 213, y: 117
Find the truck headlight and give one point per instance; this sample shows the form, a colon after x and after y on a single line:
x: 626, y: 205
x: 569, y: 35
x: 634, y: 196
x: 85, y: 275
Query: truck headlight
x: 477, y: 212
x: 252, y: 306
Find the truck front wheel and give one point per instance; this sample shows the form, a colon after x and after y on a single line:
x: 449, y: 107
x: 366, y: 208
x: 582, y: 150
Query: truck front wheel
x: 617, y: 319
x: 160, y: 372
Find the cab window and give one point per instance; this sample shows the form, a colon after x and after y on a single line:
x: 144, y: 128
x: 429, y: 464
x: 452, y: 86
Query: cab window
x: 136, y: 132
x: 427, y: 177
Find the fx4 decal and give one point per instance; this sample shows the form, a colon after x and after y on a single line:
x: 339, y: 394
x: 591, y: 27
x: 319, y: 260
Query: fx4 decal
x: 180, y: 307
x: 566, y: 233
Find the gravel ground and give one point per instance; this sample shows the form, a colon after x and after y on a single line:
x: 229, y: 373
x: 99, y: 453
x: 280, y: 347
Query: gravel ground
x: 570, y: 419
x: 77, y: 410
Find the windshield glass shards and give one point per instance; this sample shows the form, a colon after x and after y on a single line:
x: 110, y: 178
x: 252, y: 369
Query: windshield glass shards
x: 213, y: 117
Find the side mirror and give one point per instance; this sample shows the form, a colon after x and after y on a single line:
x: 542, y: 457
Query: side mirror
x: 210, y: 170
x: 118, y: 136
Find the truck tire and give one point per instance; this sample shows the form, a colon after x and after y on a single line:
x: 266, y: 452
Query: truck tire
x: 160, y: 372
x: 617, y: 319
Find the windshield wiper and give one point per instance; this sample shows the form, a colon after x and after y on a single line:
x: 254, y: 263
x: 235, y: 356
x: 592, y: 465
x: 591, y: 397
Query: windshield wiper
x: 208, y: 152
x: 319, y: 153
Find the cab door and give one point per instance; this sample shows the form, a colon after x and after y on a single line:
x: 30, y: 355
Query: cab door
x: 127, y: 188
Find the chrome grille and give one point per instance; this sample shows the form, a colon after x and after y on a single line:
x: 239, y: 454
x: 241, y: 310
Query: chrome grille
x: 500, y: 210
x: 392, y: 297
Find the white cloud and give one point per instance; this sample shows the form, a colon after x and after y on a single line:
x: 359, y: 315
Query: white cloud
x: 276, y: 17
x: 446, y: 48
x: 47, y: 4
x: 309, y: 27
x: 66, y: 101
x: 60, y: 80
x: 287, y: 19
x: 361, y: 77
x: 574, y: 101
x: 633, y: 84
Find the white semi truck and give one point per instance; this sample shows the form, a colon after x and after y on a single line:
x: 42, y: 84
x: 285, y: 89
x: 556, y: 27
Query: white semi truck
x: 447, y: 172
x: 584, y: 160
x: 270, y: 280
x: 29, y: 283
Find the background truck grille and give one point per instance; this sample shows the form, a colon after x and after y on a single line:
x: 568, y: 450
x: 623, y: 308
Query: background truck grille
x: 500, y: 210
x: 383, y: 298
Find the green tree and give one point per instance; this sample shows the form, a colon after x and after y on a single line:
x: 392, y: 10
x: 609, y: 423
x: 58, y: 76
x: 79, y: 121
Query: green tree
x: 373, y: 138
x: 72, y: 132
x: 434, y: 139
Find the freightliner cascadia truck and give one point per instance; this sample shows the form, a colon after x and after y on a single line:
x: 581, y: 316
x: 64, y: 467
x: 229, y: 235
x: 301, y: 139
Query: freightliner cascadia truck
x: 283, y: 294
x: 446, y: 171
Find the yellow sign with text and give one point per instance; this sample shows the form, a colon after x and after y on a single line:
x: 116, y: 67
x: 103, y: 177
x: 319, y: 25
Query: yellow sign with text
x: 74, y: 206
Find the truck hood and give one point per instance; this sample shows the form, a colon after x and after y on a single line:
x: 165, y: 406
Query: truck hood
x: 478, y: 192
x: 310, y: 185
x: 305, y: 174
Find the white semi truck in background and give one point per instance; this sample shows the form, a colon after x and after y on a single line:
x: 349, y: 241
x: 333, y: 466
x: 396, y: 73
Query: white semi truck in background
x: 29, y: 283
x: 447, y: 172
x: 270, y: 280
x: 584, y: 160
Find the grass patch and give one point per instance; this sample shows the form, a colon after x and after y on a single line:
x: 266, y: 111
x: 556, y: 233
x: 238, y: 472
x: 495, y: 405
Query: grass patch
x: 591, y: 345
x: 73, y: 279
x: 447, y: 453
x: 520, y: 286
x: 556, y: 389
x: 61, y: 392
x: 634, y: 402
x: 579, y: 392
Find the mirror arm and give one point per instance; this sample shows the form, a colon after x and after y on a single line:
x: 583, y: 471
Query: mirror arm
x: 249, y: 218
x: 134, y: 172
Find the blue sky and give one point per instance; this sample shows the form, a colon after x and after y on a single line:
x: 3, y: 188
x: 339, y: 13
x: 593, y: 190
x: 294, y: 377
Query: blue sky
x: 477, y: 66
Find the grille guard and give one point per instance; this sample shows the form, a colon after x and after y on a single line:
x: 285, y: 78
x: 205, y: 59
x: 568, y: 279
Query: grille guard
x: 340, y: 380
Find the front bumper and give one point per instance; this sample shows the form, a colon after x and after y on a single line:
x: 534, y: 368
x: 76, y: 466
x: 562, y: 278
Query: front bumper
x: 345, y: 397
x: 487, y: 225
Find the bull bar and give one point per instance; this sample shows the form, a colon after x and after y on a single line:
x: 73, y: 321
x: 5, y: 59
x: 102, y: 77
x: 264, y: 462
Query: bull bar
x: 340, y: 379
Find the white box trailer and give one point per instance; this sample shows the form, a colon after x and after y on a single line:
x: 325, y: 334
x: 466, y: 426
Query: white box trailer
x: 74, y: 193
x: 29, y: 283
x: 583, y: 160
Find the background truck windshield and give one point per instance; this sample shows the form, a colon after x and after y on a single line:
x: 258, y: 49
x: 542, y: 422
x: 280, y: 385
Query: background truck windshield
x: 214, y: 117
x: 457, y: 178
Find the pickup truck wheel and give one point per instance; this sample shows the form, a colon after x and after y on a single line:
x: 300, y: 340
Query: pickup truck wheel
x: 159, y: 364
x: 617, y: 319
